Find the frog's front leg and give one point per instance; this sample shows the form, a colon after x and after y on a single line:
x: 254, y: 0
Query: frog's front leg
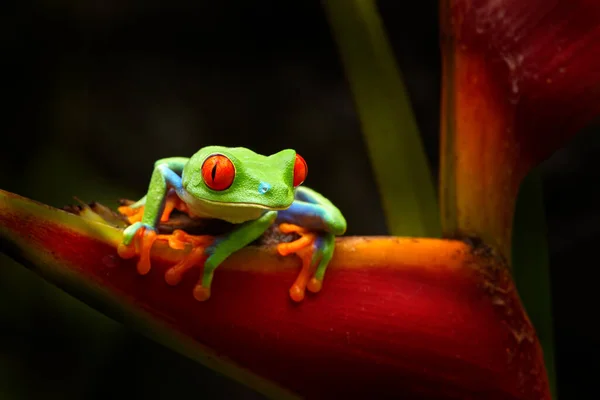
x: 318, y: 221
x: 135, y: 212
x: 223, y: 247
x: 164, y: 176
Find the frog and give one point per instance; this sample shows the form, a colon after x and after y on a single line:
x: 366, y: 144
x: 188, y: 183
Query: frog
x: 252, y: 192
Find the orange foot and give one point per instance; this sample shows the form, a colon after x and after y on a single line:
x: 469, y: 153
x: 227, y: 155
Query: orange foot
x: 140, y: 245
x: 195, y: 257
x: 173, y: 202
x: 304, y: 248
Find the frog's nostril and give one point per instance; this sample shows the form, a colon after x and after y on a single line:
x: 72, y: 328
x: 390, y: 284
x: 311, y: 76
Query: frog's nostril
x: 263, y: 187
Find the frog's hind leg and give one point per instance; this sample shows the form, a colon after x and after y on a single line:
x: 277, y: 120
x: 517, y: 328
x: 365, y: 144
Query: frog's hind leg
x: 311, y: 212
x: 315, y: 250
x: 325, y: 243
x: 303, y: 248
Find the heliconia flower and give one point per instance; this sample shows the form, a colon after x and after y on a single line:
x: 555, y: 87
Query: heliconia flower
x: 396, y: 317
x: 520, y: 78
x: 416, y: 318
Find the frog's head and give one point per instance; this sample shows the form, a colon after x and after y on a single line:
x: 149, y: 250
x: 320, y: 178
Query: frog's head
x: 238, y: 177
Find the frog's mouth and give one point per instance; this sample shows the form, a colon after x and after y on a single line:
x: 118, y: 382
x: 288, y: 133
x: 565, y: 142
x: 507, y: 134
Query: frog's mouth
x: 204, y: 203
x: 245, y: 205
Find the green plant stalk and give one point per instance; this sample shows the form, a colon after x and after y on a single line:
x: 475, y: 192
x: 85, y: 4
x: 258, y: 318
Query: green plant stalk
x: 394, y: 144
x: 531, y: 266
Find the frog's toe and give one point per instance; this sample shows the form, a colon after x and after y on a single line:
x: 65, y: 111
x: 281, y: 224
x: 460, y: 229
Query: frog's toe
x: 197, y: 256
x: 324, y: 246
x: 138, y: 239
x: 128, y: 248
x: 133, y: 214
x: 315, y: 250
x: 297, y: 292
x: 314, y: 285
x: 201, y: 293
x: 202, y: 289
x: 148, y: 239
x: 172, y: 202
x: 127, y: 251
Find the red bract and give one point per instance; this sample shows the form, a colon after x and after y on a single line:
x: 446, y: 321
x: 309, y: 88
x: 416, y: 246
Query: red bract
x: 544, y: 56
x: 520, y: 78
x: 397, y: 317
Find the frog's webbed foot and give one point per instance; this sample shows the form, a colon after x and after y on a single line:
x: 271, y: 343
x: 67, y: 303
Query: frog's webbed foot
x: 133, y: 214
x: 140, y: 243
x: 196, y: 256
x: 172, y: 202
x: 315, y: 250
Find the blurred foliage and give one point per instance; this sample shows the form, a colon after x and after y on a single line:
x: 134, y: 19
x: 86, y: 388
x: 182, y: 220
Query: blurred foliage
x: 531, y: 265
x: 396, y: 152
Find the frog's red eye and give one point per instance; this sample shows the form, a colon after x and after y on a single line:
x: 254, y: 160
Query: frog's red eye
x: 218, y: 172
x: 300, y: 170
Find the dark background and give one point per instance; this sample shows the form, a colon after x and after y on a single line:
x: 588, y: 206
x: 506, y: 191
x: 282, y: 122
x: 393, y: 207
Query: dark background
x: 94, y: 92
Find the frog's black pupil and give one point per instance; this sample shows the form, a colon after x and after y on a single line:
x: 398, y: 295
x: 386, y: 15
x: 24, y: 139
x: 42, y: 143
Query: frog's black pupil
x: 214, y: 172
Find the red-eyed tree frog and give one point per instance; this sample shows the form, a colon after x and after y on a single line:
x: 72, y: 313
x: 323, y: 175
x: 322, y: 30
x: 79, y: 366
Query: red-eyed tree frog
x: 241, y: 187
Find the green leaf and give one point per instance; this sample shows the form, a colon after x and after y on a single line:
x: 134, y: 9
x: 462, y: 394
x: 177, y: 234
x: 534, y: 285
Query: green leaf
x: 531, y: 265
x: 399, y: 162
